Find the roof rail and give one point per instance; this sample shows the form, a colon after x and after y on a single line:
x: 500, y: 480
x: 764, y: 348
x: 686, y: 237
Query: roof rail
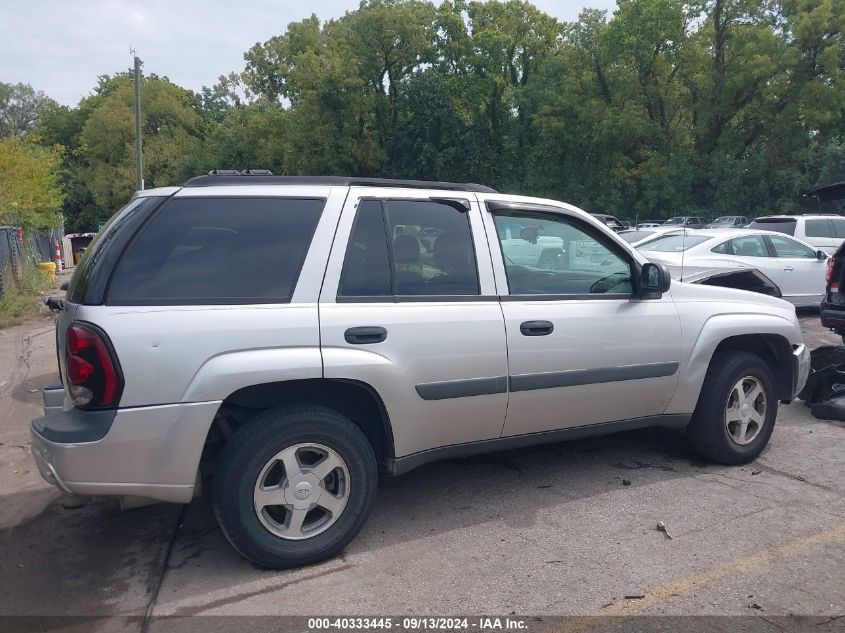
x: 231, y: 177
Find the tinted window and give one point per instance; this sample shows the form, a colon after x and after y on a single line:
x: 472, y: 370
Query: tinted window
x: 750, y: 246
x: 366, y: 268
x: 785, y: 247
x: 218, y: 250
x: 673, y: 243
x: 818, y: 228
x: 722, y: 249
x: 429, y: 252
x: 546, y: 253
x: 781, y: 225
x: 94, y: 253
x: 838, y: 227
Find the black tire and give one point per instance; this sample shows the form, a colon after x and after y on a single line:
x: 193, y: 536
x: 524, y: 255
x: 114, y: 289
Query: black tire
x: 246, y: 454
x: 707, y: 430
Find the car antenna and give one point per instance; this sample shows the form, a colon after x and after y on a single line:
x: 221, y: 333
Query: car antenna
x: 683, y: 249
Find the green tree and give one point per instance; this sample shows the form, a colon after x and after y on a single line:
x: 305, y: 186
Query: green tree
x: 30, y: 195
x: 20, y: 105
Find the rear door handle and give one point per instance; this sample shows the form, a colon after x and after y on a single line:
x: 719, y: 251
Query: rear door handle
x: 537, y: 328
x: 366, y: 335
x: 789, y: 269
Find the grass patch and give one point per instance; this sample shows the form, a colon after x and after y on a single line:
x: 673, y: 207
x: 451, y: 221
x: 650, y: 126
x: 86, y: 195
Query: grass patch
x: 14, y: 309
x: 18, y: 304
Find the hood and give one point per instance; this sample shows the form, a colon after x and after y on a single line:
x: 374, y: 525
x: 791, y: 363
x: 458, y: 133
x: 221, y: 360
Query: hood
x: 690, y: 292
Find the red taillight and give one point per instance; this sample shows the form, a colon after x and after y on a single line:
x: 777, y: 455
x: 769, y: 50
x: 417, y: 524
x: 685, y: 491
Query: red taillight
x: 92, y: 374
x: 828, y: 274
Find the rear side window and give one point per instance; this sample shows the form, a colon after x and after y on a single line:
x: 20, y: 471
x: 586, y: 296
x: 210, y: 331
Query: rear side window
x: 91, y: 274
x: 838, y: 226
x: 217, y: 251
x: 818, y: 228
x: 409, y: 248
x: 781, y: 225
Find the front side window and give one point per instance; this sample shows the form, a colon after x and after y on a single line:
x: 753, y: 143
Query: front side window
x: 408, y: 248
x: 552, y: 254
x: 217, y: 251
x: 785, y: 247
x: 750, y: 246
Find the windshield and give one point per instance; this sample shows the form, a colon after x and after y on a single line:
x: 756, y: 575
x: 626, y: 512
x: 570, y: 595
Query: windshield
x: 673, y: 243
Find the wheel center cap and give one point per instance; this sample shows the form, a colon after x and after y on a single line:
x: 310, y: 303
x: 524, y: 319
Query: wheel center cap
x: 745, y: 410
x: 303, y: 490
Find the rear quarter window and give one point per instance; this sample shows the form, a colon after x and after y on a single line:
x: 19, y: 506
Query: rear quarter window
x: 781, y: 225
x: 91, y: 276
x: 217, y: 251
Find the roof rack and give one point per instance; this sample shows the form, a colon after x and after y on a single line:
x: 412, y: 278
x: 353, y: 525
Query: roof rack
x: 223, y: 177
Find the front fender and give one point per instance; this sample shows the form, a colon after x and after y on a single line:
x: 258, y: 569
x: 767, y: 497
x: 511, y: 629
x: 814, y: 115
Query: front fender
x: 716, y: 329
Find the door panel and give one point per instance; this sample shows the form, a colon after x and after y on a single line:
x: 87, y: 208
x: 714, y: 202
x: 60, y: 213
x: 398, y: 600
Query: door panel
x: 803, y: 273
x: 605, y: 360
x: 410, y: 308
x: 581, y: 349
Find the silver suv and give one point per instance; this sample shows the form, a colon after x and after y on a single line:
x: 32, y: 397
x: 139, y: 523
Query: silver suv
x: 293, y: 337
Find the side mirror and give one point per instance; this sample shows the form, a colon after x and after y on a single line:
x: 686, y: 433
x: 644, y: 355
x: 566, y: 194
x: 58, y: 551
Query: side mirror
x: 821, y: 255
x: 654, y: 280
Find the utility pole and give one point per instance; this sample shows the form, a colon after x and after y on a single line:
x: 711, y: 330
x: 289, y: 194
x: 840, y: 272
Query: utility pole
x: 139, y: 166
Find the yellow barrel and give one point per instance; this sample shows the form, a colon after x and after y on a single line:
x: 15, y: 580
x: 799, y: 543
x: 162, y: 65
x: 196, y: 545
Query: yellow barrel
x: 49, y: 268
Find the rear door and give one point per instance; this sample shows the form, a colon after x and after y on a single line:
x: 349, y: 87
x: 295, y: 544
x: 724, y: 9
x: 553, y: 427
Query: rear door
x: 422, y: 327
x: 582, y: 348
x: 754, y: 251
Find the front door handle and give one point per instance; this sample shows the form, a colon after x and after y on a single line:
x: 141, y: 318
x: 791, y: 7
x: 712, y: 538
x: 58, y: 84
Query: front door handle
x: 366, y: 335
x: 537, y: 328
x: 789, y: 269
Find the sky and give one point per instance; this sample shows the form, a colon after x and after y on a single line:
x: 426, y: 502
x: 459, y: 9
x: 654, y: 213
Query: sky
x: 60, y: 47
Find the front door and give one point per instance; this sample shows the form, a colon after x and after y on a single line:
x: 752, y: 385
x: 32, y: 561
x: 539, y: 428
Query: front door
x: 803, y: 272
x: 582, y: 348
x: 409, y: 307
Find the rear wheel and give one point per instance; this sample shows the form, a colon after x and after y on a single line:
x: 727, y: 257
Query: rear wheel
x: 294, y: 486
x: 736, y: 410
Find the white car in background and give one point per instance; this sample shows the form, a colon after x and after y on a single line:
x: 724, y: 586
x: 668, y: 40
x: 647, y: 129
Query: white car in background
x: 527, y: 246
x: 638, y: 236
x: 826, y: 232
x: 795, y: 266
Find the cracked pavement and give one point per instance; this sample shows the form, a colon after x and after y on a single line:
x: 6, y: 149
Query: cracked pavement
x: 546, y: 530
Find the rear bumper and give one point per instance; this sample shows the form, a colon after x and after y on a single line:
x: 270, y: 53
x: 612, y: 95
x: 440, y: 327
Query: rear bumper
x: 147, y: 452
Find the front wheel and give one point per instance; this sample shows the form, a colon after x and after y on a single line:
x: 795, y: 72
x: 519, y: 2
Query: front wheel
x: 294, y: 486
x: 736, y: 410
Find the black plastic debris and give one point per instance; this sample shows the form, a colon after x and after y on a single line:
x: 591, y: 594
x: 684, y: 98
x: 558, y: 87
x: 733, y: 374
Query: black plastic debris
x: 824, y: 392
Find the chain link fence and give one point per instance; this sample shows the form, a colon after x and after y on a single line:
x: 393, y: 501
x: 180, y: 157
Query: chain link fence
x: 38, y: 246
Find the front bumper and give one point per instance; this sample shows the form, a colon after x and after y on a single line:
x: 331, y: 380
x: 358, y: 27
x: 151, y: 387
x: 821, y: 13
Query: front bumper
x: 149, y: 452
x: 800, y: 368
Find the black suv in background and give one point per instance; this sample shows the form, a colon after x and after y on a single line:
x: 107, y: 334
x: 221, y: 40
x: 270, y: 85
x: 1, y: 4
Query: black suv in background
x: 833, y: 303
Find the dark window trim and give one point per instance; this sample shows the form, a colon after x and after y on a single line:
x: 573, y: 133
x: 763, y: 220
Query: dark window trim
x: 618, y: 296
x: 395, y: 297
x: 221, y: 301
x: 494, y: 206
x: 415, y: 298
